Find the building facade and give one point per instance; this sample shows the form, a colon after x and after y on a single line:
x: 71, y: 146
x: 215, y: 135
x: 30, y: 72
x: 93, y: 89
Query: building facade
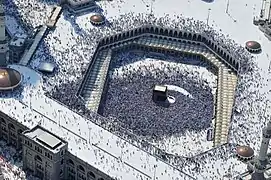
x: 45, y: 154
x: 17, y: 47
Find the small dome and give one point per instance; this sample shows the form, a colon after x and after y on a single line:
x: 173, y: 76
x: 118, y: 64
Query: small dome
x: 97, y: 19
x: 244, y: 152
x: 9, y: 78
x: 253, y: 45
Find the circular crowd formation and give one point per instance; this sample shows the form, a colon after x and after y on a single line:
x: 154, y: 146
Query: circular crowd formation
x: 9, y: 78
x: 130, y: 88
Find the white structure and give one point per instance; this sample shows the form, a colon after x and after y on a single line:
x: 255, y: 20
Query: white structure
x: 264, y: 21
x: 259, y: 168
x: 262, y: 163
x: 78, y: 6
x: 265, y: 11
x: 265, y: 142
x: 3, y: 39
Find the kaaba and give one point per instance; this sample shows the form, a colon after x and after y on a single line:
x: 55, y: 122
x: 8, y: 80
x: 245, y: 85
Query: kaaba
x: 159, y: 93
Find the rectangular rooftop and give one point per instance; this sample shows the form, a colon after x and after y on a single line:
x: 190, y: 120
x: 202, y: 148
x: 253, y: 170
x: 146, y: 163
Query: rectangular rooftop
x: 45, y: 138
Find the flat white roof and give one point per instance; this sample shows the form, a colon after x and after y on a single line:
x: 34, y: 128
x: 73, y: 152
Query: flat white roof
x: 49, y: 139
x: 17, y: 42
x: 46, y: 67
x: 89, y: 142
x: 44, y: 137
x: 160, y: 88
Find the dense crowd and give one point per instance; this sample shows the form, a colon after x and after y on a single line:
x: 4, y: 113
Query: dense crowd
x: 72, y: 49
x: 70, y: 77
x: 79, y: 47
x: 27, y: 11
x: 11, y: 164
x: 129, y: 97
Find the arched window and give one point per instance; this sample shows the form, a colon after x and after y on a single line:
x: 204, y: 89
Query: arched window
x: 37, y: 157
x: 91, y: 175
x: 70, y: 162
x: 185, y: 35
x: 175, y: 34
x: 194, y: 37
x: 166, y: 32
x: 180, y: 34
x: 11, y: 126
x: 189, y: 36
x: 199, y: 37
x: 227, y: 57
x: 161, y: 31
x: 103, y: 41
x: 170, y: 33
x: 3, y: 121
x: 81, y: 168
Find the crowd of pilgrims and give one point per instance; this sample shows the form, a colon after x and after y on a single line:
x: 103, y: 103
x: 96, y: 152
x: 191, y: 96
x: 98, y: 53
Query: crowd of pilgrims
x: 72, y: 59
x: 27, y: 11
x: 129, y: 97
x: 10, y: 164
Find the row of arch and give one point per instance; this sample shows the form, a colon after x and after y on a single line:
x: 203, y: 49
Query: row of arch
x: 171, y: 35
x: 11, y: 128
x: 159, y: 50
x: 90, y: 175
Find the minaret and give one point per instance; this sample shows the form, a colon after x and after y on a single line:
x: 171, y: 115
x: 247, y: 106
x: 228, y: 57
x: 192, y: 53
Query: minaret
x: 262, y: 160
x: 3, y: 39
x: 265, y: 142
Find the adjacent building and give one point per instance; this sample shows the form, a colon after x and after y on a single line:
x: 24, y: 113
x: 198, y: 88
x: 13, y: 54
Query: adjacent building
x: 264, y: 20
x: 44, y: 153
x: 78, y: 6
x: 3, y: 38
x: 17, y: 47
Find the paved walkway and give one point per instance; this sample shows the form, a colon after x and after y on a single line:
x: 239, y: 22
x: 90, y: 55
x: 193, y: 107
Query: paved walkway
x: 29, y: 53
